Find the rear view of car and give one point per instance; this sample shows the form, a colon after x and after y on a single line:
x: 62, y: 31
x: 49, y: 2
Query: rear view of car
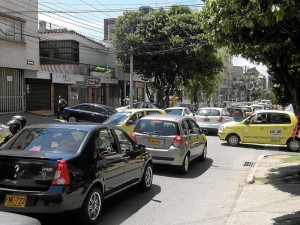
x: 171, y: 139
x: 210, y: 119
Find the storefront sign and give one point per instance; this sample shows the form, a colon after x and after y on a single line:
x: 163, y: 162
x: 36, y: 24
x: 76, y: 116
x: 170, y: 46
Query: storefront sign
x: 93, y: 81
x: 63, y: 78
x: 29, y: 62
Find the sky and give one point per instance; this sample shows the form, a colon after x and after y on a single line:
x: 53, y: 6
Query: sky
x: 87, y: 16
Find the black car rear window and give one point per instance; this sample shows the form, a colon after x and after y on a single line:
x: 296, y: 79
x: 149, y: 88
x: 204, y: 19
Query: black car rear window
x: 157, y: 127
x: 55, y: 140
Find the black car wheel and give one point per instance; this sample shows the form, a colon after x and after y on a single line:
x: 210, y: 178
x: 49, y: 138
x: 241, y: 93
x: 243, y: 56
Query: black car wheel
x: 233, y: 140
x: 147, y: 178
x: 92, y: 207
x: 202, y: 157
x: 72, y: 119
x: 185, y: 164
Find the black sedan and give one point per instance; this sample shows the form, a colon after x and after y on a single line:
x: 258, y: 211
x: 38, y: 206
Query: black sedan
x: 51, y: 168
x: 87, y: 112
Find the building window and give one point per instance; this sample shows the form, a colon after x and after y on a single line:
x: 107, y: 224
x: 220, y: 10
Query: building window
x: 59, y: 52
x: 10, y: 29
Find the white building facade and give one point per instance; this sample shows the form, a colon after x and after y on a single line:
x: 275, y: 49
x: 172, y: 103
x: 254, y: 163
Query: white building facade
x: 19, y: 52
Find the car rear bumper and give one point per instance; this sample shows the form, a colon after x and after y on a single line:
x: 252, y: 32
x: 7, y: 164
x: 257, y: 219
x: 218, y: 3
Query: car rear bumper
x: 172, y: 156
x: 55, y: 200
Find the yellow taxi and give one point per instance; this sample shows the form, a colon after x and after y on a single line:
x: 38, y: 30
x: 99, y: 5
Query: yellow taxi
x: 263, y: 127
x: 128, y: 118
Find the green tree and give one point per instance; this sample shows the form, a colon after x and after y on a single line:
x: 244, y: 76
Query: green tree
x: 167, y: 45
x: 265, y: 31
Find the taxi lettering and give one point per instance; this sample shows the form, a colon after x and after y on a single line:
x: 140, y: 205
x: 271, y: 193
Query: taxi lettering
x: 275, y: 132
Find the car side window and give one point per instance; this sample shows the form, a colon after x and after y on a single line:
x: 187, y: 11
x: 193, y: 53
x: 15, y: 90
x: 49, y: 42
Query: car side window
x: 105, y: 142
x: 279, y: 118
x: 186, y: 127
x: 195, y: 128
x: 125, y: 143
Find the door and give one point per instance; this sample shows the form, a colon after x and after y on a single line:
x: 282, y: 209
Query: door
x: 255, y: 130
x: 133, y: 162
x: 279, y: 128
x: 110, y: 161
x: 191, y: 138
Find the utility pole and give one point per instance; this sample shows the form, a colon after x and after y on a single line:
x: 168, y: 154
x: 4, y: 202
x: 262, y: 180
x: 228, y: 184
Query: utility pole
x: 131, y: 81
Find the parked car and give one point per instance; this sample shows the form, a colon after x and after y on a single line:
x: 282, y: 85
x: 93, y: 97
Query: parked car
x: 263, y: 127
x: 171, y: 139
x: 192, y: 107
x: 237, y: 113
x: 139, y: 105
x: 53, y: 168
x: 129, y: 118
x: 258, y: 107
x: 182, y: 111
x: 210, y: 118
x: 89, y: 112
x: 17, y: 219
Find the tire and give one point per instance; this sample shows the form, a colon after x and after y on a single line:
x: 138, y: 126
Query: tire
x: 92, y: 207
x: 72, y: 119
x: 185, y: 164
x: 147, y: 178
x: 202, y: 157
x: 294, y: 145
x: 233, y: 140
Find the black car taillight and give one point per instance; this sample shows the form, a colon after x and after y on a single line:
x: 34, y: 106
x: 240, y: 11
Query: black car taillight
x: 62, y: 175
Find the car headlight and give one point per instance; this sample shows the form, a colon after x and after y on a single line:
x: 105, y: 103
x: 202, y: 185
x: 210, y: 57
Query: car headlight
x: 221, y: 128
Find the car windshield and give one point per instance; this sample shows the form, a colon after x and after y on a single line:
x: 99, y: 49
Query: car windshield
x: 118, y: 118
x: 157, y: 127
x: 174, y: 111
x: 55, y: 140
x: 208, y: 112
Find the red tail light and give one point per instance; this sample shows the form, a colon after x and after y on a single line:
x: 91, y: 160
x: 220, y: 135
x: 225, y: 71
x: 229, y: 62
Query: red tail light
x: 177, y: 141
x: 132, y: 135
x: 62, y: 175
x: 220, y: 119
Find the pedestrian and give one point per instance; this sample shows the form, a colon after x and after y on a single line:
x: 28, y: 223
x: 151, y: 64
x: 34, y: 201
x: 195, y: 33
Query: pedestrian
x: 14, y: 126
x: 126, y: 100
x: 62, y: 103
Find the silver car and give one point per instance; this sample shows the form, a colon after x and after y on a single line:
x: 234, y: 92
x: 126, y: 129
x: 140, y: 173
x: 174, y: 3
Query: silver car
x: 171, y: 139
x: 211, y: 118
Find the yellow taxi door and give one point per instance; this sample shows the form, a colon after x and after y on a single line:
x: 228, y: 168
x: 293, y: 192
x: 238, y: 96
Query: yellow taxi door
x: 255, y: 131
x: 280, y: 128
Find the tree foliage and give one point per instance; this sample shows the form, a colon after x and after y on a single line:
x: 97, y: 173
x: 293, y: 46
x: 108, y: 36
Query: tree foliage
x: 265, y: 31
x: 167, y: 45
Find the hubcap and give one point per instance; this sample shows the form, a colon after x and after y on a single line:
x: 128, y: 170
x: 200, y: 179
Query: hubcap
x: 94, y: 205
x: 186, y: 163
x: 294, y: 145
x: 233, y: 140
x: 148, y: 176
x: 72, y: 119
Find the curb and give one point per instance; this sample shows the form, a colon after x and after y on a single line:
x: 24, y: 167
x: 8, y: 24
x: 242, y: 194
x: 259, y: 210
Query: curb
x: 251, y: 177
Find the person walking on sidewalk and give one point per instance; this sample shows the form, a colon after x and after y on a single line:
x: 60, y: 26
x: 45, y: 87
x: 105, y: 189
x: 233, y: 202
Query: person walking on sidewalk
x: 62, y: 103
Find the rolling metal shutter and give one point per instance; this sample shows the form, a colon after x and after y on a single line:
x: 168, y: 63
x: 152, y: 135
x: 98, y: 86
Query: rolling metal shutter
x: 38, y: 95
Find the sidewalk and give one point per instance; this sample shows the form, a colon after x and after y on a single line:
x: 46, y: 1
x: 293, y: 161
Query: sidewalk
x: 274, y: 197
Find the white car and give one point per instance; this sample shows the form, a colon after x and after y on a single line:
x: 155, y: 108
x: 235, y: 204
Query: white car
x: 210, y: 118
x: 182, y: 111
x: 258, y: 107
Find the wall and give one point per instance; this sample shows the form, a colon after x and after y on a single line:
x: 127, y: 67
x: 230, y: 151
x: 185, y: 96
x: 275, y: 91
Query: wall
x: 17, y: 53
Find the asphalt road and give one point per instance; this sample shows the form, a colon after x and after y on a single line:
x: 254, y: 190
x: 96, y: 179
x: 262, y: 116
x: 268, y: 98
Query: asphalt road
x: 206, y: 195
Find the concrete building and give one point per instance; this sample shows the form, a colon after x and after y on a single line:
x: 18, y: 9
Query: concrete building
x: 19, y: 52
x: 69, y: 65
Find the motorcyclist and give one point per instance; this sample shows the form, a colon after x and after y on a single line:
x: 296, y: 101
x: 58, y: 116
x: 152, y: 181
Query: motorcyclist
x: 22, y: 120
x: 14, y: 126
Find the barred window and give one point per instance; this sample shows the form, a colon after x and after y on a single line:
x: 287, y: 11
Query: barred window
x: 10, y: 29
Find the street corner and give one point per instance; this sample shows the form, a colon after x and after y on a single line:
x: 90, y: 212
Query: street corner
x: 279, y: 168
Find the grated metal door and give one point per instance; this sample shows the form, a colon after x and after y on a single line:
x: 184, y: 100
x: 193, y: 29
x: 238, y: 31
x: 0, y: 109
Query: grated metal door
x: 11, y: 90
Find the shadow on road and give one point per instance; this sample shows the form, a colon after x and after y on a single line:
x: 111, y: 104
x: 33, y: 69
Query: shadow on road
x: 197, y: 168
x: 259, y: 147
x: 115, y: 210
